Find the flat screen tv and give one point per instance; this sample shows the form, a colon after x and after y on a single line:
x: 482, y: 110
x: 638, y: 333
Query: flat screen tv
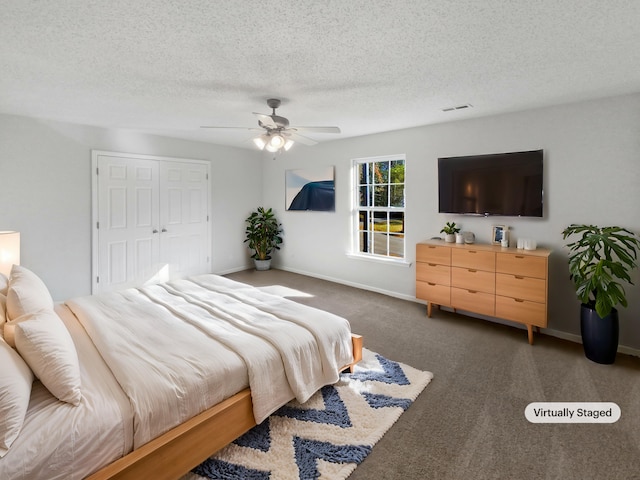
x: 508, y: 184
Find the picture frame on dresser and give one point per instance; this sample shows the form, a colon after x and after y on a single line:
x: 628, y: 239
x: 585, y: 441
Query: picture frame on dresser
x: 497, y: 233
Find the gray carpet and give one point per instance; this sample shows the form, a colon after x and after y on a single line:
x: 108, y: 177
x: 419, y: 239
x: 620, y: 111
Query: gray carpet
x: 469, y: 423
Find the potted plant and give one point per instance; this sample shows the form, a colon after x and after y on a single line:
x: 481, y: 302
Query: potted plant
x: 450, y: 230
x: 263, y: 234
x: 600, y: 260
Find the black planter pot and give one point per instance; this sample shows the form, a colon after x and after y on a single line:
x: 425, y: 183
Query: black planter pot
x: 599, y: 335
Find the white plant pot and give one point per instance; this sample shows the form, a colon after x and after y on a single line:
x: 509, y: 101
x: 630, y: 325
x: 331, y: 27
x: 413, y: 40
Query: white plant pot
x: 450, y: 237
x: 262, y: 264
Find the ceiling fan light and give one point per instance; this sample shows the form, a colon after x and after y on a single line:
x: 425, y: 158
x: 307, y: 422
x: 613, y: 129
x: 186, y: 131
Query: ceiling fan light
x: 288, y: 144
x: 260, y: 142
x: 276, y: 141
x: 271, y: 148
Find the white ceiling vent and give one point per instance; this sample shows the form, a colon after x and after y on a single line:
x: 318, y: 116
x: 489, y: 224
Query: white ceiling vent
x: 459, y: 107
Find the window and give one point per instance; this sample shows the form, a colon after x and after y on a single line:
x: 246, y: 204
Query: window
x: 379, y: 206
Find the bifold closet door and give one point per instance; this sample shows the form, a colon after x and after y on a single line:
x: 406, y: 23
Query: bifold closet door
x: 152, y: 220
x: 128, y: 219
x: 184, y: 247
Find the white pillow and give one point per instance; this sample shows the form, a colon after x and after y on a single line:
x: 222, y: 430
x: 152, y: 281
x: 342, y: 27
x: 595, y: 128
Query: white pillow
x: 26, y: 294
x: 4, y: 284
x: 15, y: 391
x: 45, y: 344
x: 3, y: 312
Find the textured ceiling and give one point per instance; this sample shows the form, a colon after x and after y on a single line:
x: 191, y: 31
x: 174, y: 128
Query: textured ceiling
x: 367, y: 66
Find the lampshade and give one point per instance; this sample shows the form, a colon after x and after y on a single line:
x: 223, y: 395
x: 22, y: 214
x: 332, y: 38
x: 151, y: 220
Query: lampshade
x: 9, y: 251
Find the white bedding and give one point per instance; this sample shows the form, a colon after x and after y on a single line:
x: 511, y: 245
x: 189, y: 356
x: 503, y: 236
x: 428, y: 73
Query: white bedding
x: 58, y: 440
x: 218, y: 329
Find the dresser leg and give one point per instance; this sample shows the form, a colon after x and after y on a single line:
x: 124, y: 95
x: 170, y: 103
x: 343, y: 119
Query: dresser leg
x: 530, y: 334
x: 429, y: 304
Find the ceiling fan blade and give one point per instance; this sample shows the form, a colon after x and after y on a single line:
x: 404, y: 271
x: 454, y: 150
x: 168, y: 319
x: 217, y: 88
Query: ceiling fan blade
x: 253, y: 129
x: 266, y: 120
x: 318, y: 129
x: 299, y: 138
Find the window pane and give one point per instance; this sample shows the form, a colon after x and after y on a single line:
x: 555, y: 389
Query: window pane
x: 380, y: 243
x: 364, y: 200
x: 397, y: 171
x: 396, y: 246
x: 396, y: 222
x: 382, y: 172
x: 380, y: 222
x: 362, y: 173
x: 381, y: 193
x: 397, y: 196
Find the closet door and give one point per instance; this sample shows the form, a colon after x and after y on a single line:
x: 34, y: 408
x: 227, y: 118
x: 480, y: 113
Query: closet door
x: 184, y: 218
x: 151, y: 220
x: 127, y: 227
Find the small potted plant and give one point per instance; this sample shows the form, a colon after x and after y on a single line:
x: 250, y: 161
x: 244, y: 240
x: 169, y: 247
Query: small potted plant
x: 450, y: 230
x: 263, y: 233
x: 600, y: 260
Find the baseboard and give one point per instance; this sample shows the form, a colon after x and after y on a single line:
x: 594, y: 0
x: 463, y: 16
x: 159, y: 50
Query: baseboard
x: 547, y: 331
x: 577, y: 339
x: 350, y: 284
x: 233, y: 270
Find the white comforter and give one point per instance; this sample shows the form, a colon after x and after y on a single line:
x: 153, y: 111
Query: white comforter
x: 179, y: 348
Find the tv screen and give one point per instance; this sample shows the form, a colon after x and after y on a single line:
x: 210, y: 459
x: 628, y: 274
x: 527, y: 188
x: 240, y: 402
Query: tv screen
x: 507, y: 184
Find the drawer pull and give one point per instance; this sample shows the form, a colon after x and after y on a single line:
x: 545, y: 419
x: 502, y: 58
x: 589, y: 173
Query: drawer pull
x: 472, y: 291
x: 518, y: 277
x: 431, y: 264
x: 472, y: 251
x: 432, y: 284
x: 518, y: 300
x: 472, y: 270
x: 519, y: 256
x: 430, y: 246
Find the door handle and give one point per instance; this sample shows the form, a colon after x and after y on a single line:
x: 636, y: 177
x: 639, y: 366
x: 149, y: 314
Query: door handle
x: 164, y: 230
x: 155, y: 230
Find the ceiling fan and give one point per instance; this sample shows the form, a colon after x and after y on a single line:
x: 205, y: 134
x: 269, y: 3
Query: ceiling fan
x: 276, y: 133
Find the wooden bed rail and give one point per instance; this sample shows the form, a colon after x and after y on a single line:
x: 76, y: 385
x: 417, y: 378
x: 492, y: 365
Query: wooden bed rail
x: 182, y: 448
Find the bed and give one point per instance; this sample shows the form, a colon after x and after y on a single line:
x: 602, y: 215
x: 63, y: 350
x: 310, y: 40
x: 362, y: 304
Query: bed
x: 165, y: 375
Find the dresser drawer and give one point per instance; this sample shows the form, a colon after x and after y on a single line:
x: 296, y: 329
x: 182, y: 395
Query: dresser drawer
x: 521, y: 264
x: 473, y: 279
x: 523, y: 288
x: 433, y: 254
x: 433, y: 273
x: 522, y: 311
x: 473, y: 301
x: 470, y: 258
x: 434, y: 293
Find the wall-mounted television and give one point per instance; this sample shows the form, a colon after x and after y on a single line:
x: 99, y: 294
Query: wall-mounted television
x: 508, y: 184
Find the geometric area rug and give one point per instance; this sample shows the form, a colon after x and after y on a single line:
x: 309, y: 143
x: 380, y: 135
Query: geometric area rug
x: 327, y: 436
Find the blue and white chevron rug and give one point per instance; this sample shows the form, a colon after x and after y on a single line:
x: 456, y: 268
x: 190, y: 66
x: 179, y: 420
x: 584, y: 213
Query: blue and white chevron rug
x: 327, y: 436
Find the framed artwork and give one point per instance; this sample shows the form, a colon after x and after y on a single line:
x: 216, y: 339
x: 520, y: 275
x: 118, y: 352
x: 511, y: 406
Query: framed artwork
x: 497, y: 234
x: 310, y: 189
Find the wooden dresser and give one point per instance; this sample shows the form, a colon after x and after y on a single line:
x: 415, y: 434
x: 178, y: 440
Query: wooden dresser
x: 485, y: 279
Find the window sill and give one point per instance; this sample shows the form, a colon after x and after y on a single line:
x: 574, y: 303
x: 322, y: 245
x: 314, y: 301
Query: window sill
x: 401, y: 262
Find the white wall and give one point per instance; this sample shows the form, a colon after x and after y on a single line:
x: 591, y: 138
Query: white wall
x: 45, y: 193
x: 592, y: 175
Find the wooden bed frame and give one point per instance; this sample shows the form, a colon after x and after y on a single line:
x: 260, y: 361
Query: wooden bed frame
x: 182, y: 448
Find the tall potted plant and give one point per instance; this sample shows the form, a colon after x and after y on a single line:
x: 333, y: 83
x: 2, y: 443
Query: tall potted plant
x: 600, y: 260
x: 263, y: 233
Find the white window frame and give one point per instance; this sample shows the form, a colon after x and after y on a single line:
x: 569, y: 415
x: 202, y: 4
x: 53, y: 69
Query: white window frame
x: 356, y: 208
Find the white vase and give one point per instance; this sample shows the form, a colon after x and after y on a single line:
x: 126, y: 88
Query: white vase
x: 450, y: 237
x: 459, y: 238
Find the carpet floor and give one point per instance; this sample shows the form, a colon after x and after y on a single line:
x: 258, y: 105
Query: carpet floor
x: 327, y: 436
x: 469, y: 423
